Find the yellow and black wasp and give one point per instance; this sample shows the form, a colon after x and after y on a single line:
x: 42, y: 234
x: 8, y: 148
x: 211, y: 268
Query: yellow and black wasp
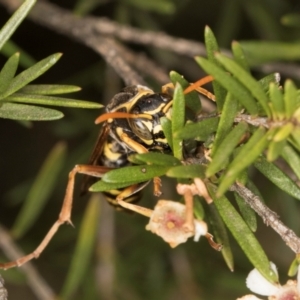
x: 131, y: 125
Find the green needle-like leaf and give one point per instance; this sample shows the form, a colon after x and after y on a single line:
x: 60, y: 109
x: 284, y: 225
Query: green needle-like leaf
x: 158, y: 159
x: 135, y: 174
x: 50, y: 100
x: 49, y: 89
x: 275, y: 149
x: 247, y: 212
x: 246, y: 79
x: 226, y: 148
x: 40, y: 190
x: 243, y: 235
x: 230, y: 109
x: 284, y: 132
x: 200, y: 130
x: 221, y: 235
x: 166, y: 125
x: 259, y: 52
x: 246, y: 156
x: 230, y: 83
x: 276, y: 176
x: 292, y: 158
x: 30, y: 74
x: 189, y: 171
x: 212, y: 47
x: 15, y: 20
x: 239, y: 55
x: 28, y: 112
x: 84, y: 248
x: 272, y: 78
x: 191, y: 99
x: 8, y: 72
x: 290, y: 98
x: 178, y: 119
x: 277, y: 104
x: 102, y: 186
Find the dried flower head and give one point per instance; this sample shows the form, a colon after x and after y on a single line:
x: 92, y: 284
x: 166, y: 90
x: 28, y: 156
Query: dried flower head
x: 168, y: 221
x: 172, y: 221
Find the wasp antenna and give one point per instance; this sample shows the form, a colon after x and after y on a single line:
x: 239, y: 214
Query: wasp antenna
x: 198, y: 83
x: 120, y: 115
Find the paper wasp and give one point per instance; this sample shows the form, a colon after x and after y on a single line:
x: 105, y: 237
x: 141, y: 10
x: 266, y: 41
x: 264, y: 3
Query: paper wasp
x: 131, y: 125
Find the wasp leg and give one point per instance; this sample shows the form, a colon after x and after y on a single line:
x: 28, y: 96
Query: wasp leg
x: 64, y: 215
x: 136, y: 208
x: 156, y: 186
x: 132, y: 144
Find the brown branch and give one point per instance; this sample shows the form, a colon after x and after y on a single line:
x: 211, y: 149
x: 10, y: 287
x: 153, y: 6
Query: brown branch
x: 58, y: 20
x: 269, y: 217
x: 3, y: 291
x: 35, y: 280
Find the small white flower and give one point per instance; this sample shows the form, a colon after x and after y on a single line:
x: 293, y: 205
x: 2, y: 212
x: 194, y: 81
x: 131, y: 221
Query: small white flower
x: 259, y: 285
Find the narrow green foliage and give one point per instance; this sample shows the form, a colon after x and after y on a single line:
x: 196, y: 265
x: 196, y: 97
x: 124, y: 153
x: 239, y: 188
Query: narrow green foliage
x: 243, y: 235
x: 158, y: 159
x: 189, y: 171
x: 84, y: 248
x: 40, y: 191
x: 50, y: 100
x: 290, y: 98
x: 30, y: 74
x: 277, y: 104
x: 212, y: 47
x: 198, y: 208
x: 258, y: 52
x: 246, y: 156
x: 221, y: 235
x: 293, y: 269
x: 226, y: 148
x: 28, y: 112
x: 272, y: 78
x: 102, y: 186
x: 8, y: 72
x: 276, y: 176
x: 166, y: 125
x: 246, y: 79
x: 191, y: 99
x: 275, y: 149
x: 178, y: 119
x: 135, y: 174
x: 49, y: 89
x: 239, y: 55
x: 292, y: 158
x: 295, y: 140
x: 247, y: 212
x: 231, y: 84
x: 15, y: 20
x: 230, y: 109
x: 200, y: 130
x: 284, y: 132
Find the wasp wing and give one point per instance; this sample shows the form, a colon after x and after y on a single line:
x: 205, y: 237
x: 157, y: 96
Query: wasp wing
x: 95, y: 156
